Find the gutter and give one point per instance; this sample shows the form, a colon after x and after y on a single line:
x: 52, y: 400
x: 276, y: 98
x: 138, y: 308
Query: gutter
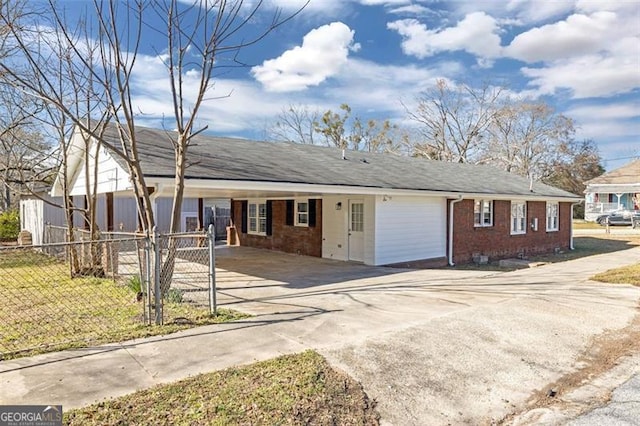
x: 451, y: 203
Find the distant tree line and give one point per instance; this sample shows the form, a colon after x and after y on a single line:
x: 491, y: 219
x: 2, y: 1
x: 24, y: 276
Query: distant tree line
x: 460, y: 123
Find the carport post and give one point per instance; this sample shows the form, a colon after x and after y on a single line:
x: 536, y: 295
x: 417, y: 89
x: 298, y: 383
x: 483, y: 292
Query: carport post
x: 211, y: 234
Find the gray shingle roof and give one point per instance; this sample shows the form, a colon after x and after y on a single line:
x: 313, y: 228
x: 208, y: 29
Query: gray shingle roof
x: 627, y: 174
x: 218, y: 158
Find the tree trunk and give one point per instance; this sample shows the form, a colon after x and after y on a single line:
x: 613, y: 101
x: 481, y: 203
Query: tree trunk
x: 166, y: 275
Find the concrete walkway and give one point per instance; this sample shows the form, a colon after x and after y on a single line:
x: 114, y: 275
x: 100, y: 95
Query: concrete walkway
x: 431, y: 346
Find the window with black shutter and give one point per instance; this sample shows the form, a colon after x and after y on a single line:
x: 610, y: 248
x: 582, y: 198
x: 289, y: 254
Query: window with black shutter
x: 269, y: 217
x: 290, y: 212
x: 244, y: 209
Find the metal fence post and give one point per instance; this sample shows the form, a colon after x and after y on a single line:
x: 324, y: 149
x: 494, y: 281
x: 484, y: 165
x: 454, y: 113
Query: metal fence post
x: 156, y: 276
x: 213, y: 305
x: 147, y: 278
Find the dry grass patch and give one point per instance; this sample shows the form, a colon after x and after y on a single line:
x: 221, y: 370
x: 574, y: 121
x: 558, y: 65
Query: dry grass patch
x: 292, y: 389
x: 625, y: 275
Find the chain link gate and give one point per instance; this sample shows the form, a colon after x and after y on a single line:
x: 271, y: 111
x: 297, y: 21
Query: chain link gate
x: 80, y: 293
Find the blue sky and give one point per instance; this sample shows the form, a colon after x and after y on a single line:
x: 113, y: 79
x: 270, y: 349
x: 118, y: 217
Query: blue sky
x: 582, y: 57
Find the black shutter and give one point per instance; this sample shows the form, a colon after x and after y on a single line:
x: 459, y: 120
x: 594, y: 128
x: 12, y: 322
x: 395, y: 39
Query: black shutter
x: 269, y: 217
x: 245, y: 208
x: 290, y: 207
x: 312, y: 213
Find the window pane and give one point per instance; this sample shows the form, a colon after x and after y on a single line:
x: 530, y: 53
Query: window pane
x: 262, y: 210
x: 252, y: 210
x: 486, y: 208
x: 252, y: 224
x: 357, y: 217
x: 477, y: 212
x: 263, y: 225
x: 303, y: 207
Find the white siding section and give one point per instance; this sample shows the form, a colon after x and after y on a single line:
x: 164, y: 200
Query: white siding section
x: 409, y: 228
x: 35, y: 214
x: 334, y: 227
x: 111, y: 177
x: 370, y: 236
x: 163, y: 211
x: 125, y: 214
x: 32, y: 218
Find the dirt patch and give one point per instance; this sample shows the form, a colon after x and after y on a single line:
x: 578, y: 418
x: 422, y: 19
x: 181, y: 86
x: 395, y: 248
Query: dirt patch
x: 604, y: 353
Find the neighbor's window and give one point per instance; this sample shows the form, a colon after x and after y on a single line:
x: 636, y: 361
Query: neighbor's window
x: 552, y: 216
x: 483, y: 213
x: 257, y: 217
x: 518, y: 217
x: 302, y: 213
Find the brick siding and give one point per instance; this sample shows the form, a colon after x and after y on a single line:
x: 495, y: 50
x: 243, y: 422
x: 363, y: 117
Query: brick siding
x: 497, y: 242
x: 287, y: 238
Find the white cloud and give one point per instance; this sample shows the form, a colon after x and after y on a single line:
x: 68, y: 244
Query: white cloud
x: 520, y: 12
x: 590, y: 55
x: 591, y: 75
x: 623, y: 110
x: 590, y: 6
x: 575, y: 36
x: 316, y: 6
x: 368, y: 86
x: 412, y: 9
x: 475, y: 34
x: 323, y: 52
x: 383, y: 2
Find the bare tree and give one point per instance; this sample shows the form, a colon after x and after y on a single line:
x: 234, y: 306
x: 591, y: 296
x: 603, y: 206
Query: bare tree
x: 529, y: 139
x: 295, y: 124
x: 24, y: 154
x: 453, y: 121
x: 200, y: 37
x: 579, y: 162
x: 61, y: 64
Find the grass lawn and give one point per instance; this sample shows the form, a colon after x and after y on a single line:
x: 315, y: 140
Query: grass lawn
x: 291, y: 389
x: 581, y: 224
x: 44, y: 310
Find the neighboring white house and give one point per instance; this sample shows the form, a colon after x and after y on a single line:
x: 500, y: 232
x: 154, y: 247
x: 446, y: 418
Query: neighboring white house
x: 374, y: 208
x: 614, y: 190
x: 39, y: 210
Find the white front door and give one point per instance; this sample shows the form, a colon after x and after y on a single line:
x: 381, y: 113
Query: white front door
x: 356, y: 230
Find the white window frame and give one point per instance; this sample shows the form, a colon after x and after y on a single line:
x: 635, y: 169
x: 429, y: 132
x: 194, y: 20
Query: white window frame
x: 258, y: 218
x: 481, y: 222
x: 298, y: 215
x: 518, y: 217
x: 553, y: 216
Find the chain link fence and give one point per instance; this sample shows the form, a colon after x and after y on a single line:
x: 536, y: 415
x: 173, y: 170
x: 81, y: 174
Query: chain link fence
x: 73, y: 294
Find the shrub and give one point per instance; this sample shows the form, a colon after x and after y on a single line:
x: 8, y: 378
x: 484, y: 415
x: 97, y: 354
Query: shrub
x: 174, y: 295
x: 9, y: 225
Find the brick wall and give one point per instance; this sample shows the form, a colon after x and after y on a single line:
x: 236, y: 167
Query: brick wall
x: 287, y: 238
x: 497, y: 242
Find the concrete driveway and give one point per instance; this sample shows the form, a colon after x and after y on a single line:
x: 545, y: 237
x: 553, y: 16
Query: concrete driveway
x: 437, y: 346
x: 431, y: 346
